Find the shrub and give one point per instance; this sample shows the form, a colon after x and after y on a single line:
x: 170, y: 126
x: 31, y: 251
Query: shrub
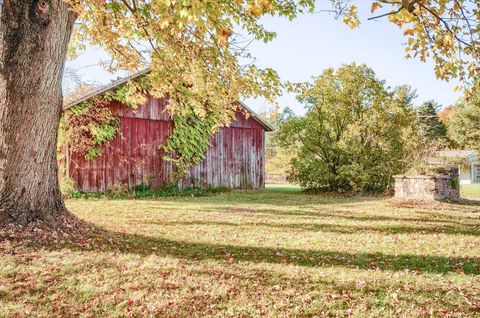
x: 67, y: 187
x: 356, y: 133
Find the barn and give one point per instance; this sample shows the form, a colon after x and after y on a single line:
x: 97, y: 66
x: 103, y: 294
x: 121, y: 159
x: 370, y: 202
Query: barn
x: 235, y: 159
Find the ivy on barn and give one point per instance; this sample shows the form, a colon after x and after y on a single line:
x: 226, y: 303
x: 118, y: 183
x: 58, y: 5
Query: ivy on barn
x: 87, y: 126
x: 91, y: 124
x: 190, y: 139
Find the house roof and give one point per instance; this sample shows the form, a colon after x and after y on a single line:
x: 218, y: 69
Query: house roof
x: 103, y: 89
x: 470, y: 155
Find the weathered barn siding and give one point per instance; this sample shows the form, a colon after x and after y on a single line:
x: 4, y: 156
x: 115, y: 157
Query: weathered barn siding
x: 235, y: 158
x: 130, y: 159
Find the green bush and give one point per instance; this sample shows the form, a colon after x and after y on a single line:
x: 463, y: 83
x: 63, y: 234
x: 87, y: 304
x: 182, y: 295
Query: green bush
x: 355, y: 135
x: 455, y: 183
x: 67, y: 187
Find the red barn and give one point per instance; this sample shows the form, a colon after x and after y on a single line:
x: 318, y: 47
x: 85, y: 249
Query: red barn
x: 236, y: 158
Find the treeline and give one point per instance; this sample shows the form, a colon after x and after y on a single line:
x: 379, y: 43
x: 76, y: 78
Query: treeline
x: 357, y: 132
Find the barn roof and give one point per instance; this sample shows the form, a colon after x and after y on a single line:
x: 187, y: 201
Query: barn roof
x: 103, y: 89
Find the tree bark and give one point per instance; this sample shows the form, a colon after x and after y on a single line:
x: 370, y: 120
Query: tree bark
x: 34, y: 36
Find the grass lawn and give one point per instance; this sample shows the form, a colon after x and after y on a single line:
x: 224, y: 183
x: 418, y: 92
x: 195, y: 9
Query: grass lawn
x: 282, y: 187
x: 274, y: 253
x: 470, y: 190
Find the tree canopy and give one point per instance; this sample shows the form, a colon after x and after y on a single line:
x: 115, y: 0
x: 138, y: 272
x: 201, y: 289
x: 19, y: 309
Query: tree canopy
x: 448, y: 31
x: 189, y: 46
x: 195, y: 54
x: 464, y: 124
x: 356, y: 134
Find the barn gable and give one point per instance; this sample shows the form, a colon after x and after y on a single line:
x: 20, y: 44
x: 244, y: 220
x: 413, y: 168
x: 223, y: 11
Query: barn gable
x: 235, y: 159
x: 157, y: 105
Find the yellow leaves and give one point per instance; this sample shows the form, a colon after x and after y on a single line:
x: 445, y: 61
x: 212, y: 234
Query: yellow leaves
x: 183, y: 13
x: 448, y: 41
x: 440, y: 73
x: 456, y: 6
x: 408, y: 50
x: 75, y: 7
x: 254, y: 9
x: 223, y: 37
x: 259, y: 7
x: 266, y: 5
x: 409, y: 32
x: 164, y: 24
x: 351, y: 17
x: 429, y: 37
x: 401, y: 18
x: 375, y: 6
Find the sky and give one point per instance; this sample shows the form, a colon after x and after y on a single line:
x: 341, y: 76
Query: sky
x: 306, y: 46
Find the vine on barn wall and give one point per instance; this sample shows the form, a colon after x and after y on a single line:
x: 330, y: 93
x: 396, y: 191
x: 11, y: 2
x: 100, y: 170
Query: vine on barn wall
x: 91, y: 124
x: 88, y: 125
x: 189, y: 141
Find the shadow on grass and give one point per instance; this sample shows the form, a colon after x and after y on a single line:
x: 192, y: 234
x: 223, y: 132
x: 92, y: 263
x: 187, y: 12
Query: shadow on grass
x: 471, y: 229
x: 470, y: 202
x: 106, y: 241
x: 339, y: 293
x: 343, y: 214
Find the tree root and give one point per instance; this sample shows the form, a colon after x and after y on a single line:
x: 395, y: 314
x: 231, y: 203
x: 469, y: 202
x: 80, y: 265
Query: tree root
x: 57, y: 226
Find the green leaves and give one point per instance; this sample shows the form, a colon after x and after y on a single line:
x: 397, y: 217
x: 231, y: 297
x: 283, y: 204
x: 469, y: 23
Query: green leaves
x: 88, y: 125
x: 429, y: 124
x: 356, y: 133
x: 464, y: 125
x: 189, y: 141
x: 132, y: 93
x: 103, y: 133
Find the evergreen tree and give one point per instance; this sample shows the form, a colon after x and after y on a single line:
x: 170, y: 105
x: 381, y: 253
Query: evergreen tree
x: 431, y: 128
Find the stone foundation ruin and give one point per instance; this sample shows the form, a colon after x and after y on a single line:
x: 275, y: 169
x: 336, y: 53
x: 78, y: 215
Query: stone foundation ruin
x: 440, y: 187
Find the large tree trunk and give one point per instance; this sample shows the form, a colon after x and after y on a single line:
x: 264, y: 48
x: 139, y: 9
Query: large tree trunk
x: 34, y: 36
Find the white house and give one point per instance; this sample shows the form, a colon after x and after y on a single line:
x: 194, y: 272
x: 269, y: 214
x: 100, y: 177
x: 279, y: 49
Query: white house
x: 469, y: 167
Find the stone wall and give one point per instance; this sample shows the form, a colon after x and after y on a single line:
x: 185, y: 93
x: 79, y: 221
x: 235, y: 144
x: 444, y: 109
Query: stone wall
x: 429, y: 187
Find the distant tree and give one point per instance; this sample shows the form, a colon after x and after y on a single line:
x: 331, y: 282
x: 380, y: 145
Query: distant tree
x: 356, y: 133
x: 273, y: 115
x: 446, y: 114
x: 431, y: 128
x: 464, y: 125
x: 276, y: 157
